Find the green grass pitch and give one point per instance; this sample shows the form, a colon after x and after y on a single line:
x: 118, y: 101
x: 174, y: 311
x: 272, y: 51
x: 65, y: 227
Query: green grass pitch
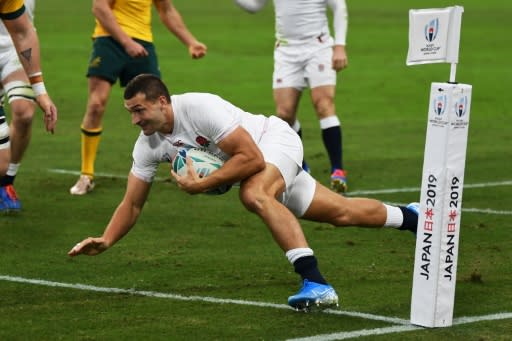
x: 206, y: 246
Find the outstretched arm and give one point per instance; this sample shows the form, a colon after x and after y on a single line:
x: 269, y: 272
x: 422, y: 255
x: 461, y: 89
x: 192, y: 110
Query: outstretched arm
x: 172, y: 19
x: 123, y: 219
x: 26, y: 41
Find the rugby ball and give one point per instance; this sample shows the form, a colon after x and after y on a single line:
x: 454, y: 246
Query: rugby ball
x: 204, y: 162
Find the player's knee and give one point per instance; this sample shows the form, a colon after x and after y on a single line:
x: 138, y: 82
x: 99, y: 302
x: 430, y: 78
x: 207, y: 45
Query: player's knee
x: 324, y: 107
x: 286, y: 113
x: 252, y: 199
x: 22, y: 112
x: 95, y: 109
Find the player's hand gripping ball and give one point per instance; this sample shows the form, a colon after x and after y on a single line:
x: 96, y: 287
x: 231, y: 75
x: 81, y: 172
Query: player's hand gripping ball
x: 204, y: 163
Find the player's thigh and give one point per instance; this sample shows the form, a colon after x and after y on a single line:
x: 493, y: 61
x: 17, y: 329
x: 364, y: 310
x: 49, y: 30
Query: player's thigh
x: 140, y: 65
x: 326, y: 205
x: 99, y: 91
x: 286, y: 100
x: 282, y: 147
x: 269, y: 181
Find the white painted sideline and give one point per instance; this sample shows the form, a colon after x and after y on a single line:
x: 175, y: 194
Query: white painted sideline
x: 351, y: 193
x: 402, y: 324
x: 177, y: 297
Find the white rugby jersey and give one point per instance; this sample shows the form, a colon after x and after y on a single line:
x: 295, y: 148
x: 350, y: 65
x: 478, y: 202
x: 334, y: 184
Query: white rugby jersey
x: 201, y: 120
x: 298, y: 20
x: 5, y: 37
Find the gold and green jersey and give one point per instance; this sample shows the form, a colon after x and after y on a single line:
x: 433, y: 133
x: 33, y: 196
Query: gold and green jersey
x: 134, y: 17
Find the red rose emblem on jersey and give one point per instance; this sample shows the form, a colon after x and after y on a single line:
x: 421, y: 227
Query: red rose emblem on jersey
x: 201, y: 140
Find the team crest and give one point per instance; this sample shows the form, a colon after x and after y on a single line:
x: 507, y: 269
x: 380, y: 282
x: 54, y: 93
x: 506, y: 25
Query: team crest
x: 95, y: 62
x: 431, y: 30
x: 202, y: 141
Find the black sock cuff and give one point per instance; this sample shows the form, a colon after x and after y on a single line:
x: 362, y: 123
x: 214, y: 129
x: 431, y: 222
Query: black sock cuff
x: 307, y: 268
x: 304, y: 263
x: 410, y: 221
x: 6, y: 180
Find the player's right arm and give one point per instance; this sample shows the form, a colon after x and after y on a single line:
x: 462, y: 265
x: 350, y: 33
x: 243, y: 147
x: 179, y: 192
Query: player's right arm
x: 123, y: 219
x: 102, y: 10
x: 251, y: 6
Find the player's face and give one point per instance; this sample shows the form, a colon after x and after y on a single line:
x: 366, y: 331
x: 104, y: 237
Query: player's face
x: 148, y: 115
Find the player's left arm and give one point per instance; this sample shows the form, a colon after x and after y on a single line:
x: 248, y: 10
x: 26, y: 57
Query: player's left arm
x: 26, y: 42
x: 172, y: 19
x: 246, y: 160
x: 340, y: 25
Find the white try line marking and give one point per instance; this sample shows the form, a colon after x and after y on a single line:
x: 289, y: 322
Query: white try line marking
x: 354, y: 193
x: 403, y: 325
x: 398, y: 329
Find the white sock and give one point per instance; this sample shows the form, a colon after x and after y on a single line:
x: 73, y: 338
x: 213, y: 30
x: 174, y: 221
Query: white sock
x: 394, y: 217
x: 329, y: 122
x: 13, y: 169
x: 297, y: 253
x: 296, y: 126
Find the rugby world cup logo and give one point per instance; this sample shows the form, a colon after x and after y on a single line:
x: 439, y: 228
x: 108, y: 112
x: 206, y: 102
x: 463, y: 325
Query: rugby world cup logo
x: 431, y: 30
x: 461, y: 106
x: 439, y: 105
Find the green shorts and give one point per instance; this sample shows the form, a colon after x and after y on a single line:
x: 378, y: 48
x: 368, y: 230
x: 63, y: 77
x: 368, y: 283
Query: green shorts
x: 110, y: 61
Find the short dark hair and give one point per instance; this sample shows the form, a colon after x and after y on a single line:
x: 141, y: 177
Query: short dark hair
x: 147, y: 84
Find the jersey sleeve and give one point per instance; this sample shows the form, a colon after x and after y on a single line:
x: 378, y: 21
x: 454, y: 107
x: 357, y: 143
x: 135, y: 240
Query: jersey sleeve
x: 145, y: 163
x: 11, y: 9
x: 340, y: 20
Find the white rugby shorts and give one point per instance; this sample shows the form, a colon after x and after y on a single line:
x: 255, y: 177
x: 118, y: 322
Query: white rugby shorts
x: 282, y: 147
x: 9, y: 62
x: 301, y: 65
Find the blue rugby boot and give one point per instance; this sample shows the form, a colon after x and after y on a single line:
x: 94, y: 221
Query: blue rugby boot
x: 305, y: 167
x: 414, y: 207
x: 313, y: 296
x: 8, y: 199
